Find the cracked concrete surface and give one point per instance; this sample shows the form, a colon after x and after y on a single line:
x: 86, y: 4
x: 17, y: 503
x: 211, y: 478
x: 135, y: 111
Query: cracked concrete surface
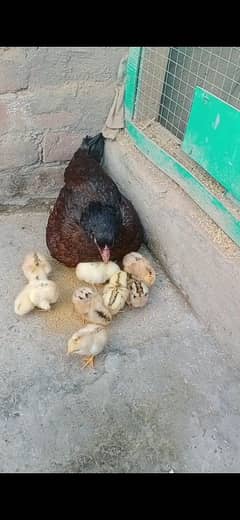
x: 163, y: 397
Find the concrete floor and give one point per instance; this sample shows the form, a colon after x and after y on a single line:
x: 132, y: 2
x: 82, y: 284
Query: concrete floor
x: 163, y: 396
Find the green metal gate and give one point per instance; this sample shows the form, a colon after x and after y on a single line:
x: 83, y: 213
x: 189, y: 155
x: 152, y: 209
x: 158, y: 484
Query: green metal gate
x: 192, y: 95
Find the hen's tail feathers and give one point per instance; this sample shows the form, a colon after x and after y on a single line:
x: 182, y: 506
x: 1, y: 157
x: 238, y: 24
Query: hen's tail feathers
x: 94, y: 146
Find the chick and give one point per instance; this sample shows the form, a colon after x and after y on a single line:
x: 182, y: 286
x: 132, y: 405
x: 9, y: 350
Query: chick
x: 98, y: 312
x: 140, y: 268
x: 23, y: 304
x: 88, y: 341
x: 42, y: 293
x: 96, y: 272
x: 36, y: 267
x: 115, y: 293
x: 138, y: 293
x: 119, y: 279
x: 37, y: 293
x: 81, y: 299
x: 89, y: 304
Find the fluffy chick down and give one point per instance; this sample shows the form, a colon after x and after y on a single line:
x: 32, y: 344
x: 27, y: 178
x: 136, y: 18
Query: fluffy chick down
x: 116, y: 292
x: 138, y: 293
x: 36, y: 267
x: 139, y: 268
x: 37, y: 293
x: 88, y: 341
x: 96, y: 272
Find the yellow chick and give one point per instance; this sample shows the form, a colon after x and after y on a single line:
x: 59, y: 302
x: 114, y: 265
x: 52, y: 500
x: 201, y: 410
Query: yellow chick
x: 23, y: 304
x: 138, y: 293
x: 43, y: 293
x: 88, y: 341
x: 140, y: 268
x: 115, y: 293
x: 36, y: 267
x: 96, y: 272
x: 81, y: 299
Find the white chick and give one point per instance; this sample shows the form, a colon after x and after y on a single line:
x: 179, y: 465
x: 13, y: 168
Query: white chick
x: 88, y: 341
x: 23, y: 304
x: 138, y: 293
x: 81, y: 299
x: 115, y: 293
x: 38, y: 293
x: 36, y: 267
x: 96, y: 272
x: 139, y: 267
x: 42, y: 293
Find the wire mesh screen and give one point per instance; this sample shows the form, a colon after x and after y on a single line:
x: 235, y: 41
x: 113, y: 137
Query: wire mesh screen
x: 169, y: 75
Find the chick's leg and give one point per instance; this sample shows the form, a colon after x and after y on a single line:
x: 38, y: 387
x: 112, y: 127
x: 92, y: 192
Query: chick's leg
x: 89, y: 361
x: 84, y: 319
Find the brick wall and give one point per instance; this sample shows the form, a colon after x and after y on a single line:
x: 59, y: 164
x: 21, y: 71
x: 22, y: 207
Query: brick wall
x: 50, y: 97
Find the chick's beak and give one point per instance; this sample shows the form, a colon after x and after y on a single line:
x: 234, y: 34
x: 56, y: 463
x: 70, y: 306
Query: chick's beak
x: 105, y: 254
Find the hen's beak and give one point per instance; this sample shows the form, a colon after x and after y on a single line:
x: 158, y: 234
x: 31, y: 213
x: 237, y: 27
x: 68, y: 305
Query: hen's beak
x: 105, y: 254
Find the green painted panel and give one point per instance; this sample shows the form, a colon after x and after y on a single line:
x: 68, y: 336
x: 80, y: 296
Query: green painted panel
x: 191, y: 185
x: 133, y: 65
x: 212, y: 139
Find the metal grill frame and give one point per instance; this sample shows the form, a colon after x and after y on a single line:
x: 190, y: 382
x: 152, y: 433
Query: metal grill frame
x: 206, y: 200
x: 169, y: 75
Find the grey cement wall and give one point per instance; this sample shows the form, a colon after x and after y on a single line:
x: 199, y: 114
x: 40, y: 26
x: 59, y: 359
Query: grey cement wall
x: 50, y: 97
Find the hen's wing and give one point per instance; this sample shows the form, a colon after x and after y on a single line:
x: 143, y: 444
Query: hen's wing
x: 131, y: 234
x: 78, y: 196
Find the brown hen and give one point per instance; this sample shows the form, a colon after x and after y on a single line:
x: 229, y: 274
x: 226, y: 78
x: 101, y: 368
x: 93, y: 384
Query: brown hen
x: 91, y: 220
